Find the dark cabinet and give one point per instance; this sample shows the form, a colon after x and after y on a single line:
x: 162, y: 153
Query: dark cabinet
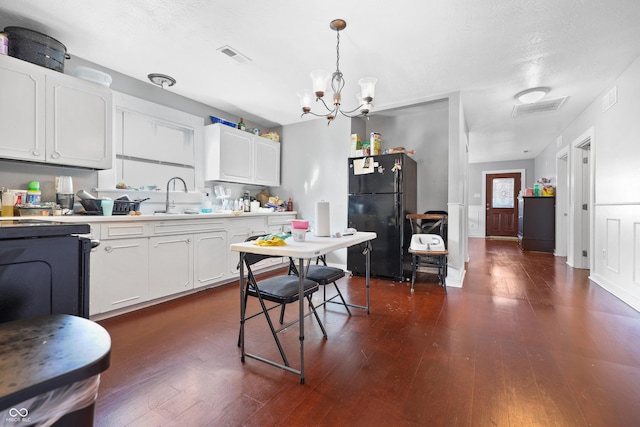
x: 537, y: 223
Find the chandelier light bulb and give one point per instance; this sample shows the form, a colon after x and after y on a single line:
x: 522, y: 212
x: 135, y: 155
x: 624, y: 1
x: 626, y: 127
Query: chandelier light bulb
x: 368, y: 87
x: 319, y: 79
x: 306, y: 97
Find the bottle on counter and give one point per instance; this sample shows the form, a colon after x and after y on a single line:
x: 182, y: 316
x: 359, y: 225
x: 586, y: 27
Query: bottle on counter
x: 206, y: 204
x: 241, y: 125
x: 289, y: 205
x: 33, y: 193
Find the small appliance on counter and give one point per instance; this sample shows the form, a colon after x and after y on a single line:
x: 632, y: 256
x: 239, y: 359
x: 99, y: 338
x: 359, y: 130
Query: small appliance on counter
x: 64, y: 194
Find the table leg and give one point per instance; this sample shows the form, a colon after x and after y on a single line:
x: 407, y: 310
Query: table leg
x: 301, y: 315
x: 242, y: 306
x: 367, y: 254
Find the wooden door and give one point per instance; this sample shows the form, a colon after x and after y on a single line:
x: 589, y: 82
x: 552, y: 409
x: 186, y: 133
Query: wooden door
x: 502, y: 204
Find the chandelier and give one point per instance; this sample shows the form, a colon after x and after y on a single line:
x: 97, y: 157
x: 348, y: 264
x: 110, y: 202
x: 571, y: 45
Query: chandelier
x: 320, y: 78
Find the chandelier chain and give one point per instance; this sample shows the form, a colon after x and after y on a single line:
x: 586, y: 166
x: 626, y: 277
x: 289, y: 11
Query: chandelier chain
x: 338, y: 51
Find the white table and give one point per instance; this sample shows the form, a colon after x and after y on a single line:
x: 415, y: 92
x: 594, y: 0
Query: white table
x: 311, y: 248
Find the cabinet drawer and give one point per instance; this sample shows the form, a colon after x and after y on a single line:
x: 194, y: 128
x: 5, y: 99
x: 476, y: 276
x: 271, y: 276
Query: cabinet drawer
x: 280, y: 219
x: 128, y: 229
x: 253, y: 224
x: 186, y: 226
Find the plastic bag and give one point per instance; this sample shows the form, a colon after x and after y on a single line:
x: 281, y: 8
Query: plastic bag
x: 47, y: 408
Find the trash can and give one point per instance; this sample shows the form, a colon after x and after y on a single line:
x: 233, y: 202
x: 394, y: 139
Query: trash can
x: 51, y: 368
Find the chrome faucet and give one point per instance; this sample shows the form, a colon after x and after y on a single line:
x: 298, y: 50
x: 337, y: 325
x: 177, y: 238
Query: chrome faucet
x: 166, y: 208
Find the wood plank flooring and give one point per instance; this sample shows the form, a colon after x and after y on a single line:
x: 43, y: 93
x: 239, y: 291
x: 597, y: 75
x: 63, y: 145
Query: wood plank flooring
x: 526, y: 342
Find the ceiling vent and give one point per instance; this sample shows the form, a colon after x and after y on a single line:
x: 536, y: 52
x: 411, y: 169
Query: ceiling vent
x: 538, y: 107
x: 234, y: 54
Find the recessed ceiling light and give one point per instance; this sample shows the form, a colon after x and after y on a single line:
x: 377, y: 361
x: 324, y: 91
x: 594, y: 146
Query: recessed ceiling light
x: 529, y: 96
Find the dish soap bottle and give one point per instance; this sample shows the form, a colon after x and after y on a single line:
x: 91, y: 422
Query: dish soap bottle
x: 206, y: 204
x: 241, y: 124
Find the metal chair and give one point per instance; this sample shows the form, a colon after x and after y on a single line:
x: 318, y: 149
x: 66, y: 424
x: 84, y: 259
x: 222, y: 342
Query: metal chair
x: 428, y: 245
x: 281, y: 290
x: 324, y: 275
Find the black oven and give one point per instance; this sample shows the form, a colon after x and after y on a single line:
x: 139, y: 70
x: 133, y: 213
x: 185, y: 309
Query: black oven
x: 44, y: 269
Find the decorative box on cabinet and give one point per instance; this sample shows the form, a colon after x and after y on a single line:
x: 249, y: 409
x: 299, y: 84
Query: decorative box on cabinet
x: 54, y: 118
x: 237, y: 156
x: 536, y: 223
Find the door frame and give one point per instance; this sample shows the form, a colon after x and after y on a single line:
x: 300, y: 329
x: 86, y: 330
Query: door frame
x: 483, y: 217
x: 563, y: 177
x: 574, y: 250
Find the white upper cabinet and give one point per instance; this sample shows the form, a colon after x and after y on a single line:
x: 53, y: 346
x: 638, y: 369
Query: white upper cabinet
x: 22, y: 124
x: 47, y: 116
x: 79, y: 122
x: 237, y: 156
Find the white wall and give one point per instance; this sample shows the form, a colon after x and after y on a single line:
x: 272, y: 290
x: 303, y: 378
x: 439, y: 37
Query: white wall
x: 615, y: 202
x: 427, y: 133
x: 314, y: 168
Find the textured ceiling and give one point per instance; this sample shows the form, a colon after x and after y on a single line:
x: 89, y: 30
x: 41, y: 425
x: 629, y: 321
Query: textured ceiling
x: 419, y: 50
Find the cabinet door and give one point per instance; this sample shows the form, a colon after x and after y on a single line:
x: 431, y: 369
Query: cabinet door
x: 237, y: 235
x: 119, y: 274
x: 79, y: 123
x: 22, y: 116
x: 228, y: 154
x: 236, y: 155
x: 267, y: 162
x: 210, y: 257
x: 170, y: 265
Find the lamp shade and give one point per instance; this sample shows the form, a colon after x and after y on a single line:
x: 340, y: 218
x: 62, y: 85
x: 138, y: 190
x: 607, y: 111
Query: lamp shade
x: 319, y: 79
x: 306, y: 96
x: 368, y: 87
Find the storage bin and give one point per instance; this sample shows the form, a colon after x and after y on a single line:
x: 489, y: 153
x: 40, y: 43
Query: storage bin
x: 95, y: 76
x: 215, y: 119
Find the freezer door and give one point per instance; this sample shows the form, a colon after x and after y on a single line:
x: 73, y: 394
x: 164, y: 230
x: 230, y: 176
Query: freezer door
x: 383, y: 179
x: 378, y: 213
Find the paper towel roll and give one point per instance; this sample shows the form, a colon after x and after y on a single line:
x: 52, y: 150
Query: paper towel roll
x: 323, y: 229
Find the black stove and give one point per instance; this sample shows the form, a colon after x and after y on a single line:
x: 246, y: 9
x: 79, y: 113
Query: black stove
x: 25, y: 228
x: 44, y: 268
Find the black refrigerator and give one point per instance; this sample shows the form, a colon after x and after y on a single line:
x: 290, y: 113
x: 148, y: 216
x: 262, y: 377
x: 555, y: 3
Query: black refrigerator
x: 382, y: 191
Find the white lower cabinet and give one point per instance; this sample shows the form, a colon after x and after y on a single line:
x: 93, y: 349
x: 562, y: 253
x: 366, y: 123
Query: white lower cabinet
x: 119, y: 274
x: 170, y: 265
x: 242, y: 229
x: 211, y: 251
x: 141, y: 261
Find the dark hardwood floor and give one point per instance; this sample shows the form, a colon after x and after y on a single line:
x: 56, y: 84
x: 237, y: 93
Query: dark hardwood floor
x: 527, y: 341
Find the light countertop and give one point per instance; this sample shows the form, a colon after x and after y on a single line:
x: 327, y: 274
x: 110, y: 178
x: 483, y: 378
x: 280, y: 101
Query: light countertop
x: 149, y: 217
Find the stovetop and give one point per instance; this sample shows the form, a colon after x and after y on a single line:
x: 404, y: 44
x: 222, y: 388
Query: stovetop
x: 26, y: 228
